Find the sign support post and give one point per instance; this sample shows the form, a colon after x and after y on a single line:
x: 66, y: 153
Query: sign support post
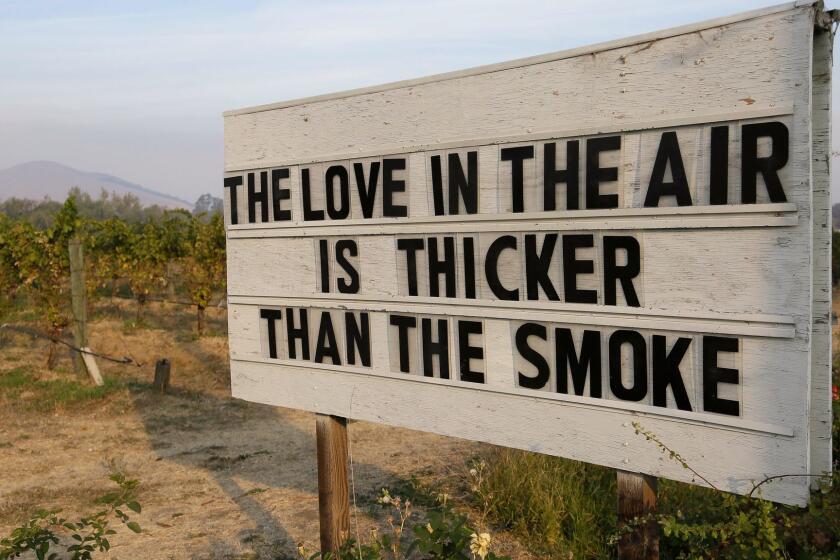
x: 637, y: 499
x: 333, y: 488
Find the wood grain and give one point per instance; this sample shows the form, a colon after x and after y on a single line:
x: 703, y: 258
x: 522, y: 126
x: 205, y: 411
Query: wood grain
x: 78, y: 294
x: 333, y: 489
x: 636, y: 501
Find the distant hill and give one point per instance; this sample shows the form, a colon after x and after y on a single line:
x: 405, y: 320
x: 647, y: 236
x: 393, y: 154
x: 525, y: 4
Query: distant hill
x: 36, y: 180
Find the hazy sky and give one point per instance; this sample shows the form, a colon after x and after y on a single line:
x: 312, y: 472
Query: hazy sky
x: 136, y: 89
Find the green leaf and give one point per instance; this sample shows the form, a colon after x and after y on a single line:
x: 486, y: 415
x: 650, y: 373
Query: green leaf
x: 133, y: 526
x: 133, y: 506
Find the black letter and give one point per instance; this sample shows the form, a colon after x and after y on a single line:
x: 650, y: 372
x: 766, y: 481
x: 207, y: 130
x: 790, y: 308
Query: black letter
x: 552, y: 176
x: 261, y: 197
x: 231, y: 183
x: 301, y: 333
x: 595, y: 174
x: 323, y: 252
x: 437, y: 186
x: 719, y: 166
x: 572, y: 267
x: 467, y: 186
x: 411, y: 246
x: 430, y: 348
x: 278, y: 194
x: 342, y: 246
x: 343, y: 190
x: 367, y: 190
x: 445, y: 266
x: 516, y: 156
x: 308, y: 213
x: 403, y: 323
x: 577, y: 366
x: 271, y: 315
x: 469, y: 268
x: 391, y: 186
x: 666, y: 371
x: 712, y: 375
x: 524, y: 331
x: 357, y: 337
x: 639, y: 389
x: 625, y: 273
x: 491, y: 262
x: 326, y: 346
x: 467, y: 352
x: 668, y: 153
x: 537, y: 265
x: 768, y: 166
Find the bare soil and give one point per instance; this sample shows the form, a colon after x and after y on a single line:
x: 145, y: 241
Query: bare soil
x: 220, y: 478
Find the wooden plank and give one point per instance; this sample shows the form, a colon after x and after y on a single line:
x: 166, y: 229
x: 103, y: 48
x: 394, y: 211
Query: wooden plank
x: 756, y: 325
x: 528, y: 61
x: 636, y: 506
x: 333, y: 489
x: 162, y: 370
x: 92, y: 367
x: 728, y: 456
x: 821, y: 348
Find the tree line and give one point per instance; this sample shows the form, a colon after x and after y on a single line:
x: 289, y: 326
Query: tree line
x: 157, y: 253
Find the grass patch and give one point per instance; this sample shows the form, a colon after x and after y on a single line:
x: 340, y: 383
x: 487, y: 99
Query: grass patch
x: 566, y: 509
x: 21, y: 387
x: 557, y: 507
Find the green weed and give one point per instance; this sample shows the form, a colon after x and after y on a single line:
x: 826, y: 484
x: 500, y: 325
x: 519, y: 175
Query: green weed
x: 21, y: 388
x: 555, y: 506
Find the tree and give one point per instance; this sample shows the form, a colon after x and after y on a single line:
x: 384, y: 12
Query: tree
x: 208, y: 204
x: 43, y: 267
x: 204, y: 265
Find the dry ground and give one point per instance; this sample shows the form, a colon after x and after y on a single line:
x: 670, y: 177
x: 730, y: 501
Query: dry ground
x: 220, y: 478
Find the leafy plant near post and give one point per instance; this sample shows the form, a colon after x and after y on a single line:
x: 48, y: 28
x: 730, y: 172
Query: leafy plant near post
x: 43, y: 268
x: 722, y: 525
x: 444, y: 534
x: 8, y: 271
x: 145, y: 266
x: 204, y: 266
x: 46, y: 530
x: 108, y: 244
x: 175, y: 229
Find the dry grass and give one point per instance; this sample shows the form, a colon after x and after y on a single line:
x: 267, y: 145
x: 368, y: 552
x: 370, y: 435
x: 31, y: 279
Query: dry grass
x: 220, y: 478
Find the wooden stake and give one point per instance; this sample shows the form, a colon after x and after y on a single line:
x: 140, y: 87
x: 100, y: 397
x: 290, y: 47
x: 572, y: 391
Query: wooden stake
x: 78, y: 297
x: 636, y: 499
x: 333, y: 490
x: 92, y: 368
x: 162, y: 370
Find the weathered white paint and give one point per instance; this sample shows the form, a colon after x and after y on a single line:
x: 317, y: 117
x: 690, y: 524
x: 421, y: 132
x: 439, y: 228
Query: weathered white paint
x: 758, y: 272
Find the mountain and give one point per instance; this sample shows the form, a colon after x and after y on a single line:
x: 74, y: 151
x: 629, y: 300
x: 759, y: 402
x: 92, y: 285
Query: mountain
x: 39, y: 179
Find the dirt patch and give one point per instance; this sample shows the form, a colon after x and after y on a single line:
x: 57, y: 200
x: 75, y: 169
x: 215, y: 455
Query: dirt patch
x: 220, y: 478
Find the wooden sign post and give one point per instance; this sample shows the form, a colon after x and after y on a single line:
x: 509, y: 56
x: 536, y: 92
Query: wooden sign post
x: 636, y: 506
x: 543, y: 253
x: 333, y: 489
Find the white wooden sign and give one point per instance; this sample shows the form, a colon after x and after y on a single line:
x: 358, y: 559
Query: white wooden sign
x: 538, y: 253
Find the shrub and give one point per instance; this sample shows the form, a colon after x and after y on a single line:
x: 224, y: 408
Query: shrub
x: 43, y: 532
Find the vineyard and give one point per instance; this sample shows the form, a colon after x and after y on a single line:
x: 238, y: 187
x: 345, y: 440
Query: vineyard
x: 175, y: 255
